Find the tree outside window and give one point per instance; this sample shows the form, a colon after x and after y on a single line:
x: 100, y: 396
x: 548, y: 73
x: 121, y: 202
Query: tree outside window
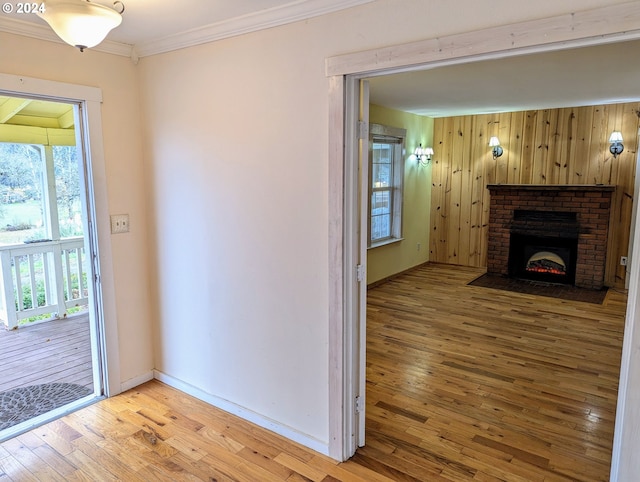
x: 24, y: 215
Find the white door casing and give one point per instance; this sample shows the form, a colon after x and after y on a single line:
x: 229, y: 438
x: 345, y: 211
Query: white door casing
x: 89, y: 126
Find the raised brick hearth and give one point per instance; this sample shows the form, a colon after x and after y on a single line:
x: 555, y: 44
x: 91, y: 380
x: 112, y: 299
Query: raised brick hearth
x: 554, y: 211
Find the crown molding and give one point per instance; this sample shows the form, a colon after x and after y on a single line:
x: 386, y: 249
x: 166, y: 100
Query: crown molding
x: 273, y: 17
x: 43, y: 32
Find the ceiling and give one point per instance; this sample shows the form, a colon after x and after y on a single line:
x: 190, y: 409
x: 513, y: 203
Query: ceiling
x: 34, y: 121
x: 149, y: 20
x: 590, y: 75
x: 603, y: 74
x: 35, y: 113
x: 155, y: 26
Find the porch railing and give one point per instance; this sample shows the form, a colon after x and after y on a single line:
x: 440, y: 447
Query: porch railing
x: 41, y: 281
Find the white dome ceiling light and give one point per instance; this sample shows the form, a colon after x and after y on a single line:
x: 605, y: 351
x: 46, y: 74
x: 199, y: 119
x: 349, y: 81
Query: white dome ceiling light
x: 81, y: 23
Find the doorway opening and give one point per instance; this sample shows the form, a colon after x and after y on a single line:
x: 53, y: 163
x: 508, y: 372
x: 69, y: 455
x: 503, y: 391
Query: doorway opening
x: 415, y: 380
x: 350, y: 236
x: 50, y: 335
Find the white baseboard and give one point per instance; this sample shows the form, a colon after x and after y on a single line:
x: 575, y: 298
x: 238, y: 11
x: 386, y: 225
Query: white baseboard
x: 134, y: 382
x: 245, y: 414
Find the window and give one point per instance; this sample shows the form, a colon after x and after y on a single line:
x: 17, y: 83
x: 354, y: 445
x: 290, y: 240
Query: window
x: 386, y: 174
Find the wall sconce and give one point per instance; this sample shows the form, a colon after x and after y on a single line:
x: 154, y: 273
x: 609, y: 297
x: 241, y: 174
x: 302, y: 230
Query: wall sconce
x: 79, y: 22
x: 497, y: 150
x: 616, y: 146
x: 423, y: 154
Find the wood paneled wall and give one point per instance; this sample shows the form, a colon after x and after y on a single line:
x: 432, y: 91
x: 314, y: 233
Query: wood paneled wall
x: 551, y: 146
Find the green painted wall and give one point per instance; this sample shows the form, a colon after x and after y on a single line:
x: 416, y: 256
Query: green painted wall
x: 385, y: 261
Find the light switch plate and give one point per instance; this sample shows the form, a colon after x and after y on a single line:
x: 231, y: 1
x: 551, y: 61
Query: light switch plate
x: 119, y: 223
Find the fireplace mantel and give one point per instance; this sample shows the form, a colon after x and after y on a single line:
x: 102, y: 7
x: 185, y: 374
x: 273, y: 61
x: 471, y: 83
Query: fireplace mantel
x: 551, y: 187
x: 591, y: 204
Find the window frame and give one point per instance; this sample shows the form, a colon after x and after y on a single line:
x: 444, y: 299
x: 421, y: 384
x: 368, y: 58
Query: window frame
x: 396, y: 137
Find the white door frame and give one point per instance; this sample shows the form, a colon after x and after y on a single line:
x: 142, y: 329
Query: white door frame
x: 362, y: 241
x: 615, y: 23
x: 634, y: 215
x: 89, y: 100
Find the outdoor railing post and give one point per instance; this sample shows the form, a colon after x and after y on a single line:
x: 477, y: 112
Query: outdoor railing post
x: 9, y: 313
x: 61, y: 307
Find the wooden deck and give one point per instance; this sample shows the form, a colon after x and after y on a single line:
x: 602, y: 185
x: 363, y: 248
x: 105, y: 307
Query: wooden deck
x: 55, y: 351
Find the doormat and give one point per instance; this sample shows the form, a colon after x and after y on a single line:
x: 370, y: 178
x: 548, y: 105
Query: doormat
x: 539, y: 288
x: 24, y: 403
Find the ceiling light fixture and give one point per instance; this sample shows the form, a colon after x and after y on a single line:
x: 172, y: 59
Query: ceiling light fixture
x: 81, y: 23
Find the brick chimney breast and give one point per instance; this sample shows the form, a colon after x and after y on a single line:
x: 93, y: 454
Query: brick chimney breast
x: 580, y: 211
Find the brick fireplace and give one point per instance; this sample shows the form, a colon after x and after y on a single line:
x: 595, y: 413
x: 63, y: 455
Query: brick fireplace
x: 555, y: 233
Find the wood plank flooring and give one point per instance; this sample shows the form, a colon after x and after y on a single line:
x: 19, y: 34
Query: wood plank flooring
x: 475, y: 383
x: 463, y: 383
x: 156, y: 433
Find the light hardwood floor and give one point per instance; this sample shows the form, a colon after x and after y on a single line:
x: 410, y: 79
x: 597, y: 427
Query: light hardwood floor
x: 463, y: 383
x: 474, y: 383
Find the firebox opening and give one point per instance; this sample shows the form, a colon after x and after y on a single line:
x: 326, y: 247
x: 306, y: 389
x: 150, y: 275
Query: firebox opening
x: 543, y: 258
x: 546, y: 262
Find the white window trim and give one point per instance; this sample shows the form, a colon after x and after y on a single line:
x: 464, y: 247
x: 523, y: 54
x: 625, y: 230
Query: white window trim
x: 386, y: 242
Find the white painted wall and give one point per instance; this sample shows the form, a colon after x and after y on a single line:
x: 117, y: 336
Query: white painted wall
x: 236, y: 145
x: 240, y: 225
